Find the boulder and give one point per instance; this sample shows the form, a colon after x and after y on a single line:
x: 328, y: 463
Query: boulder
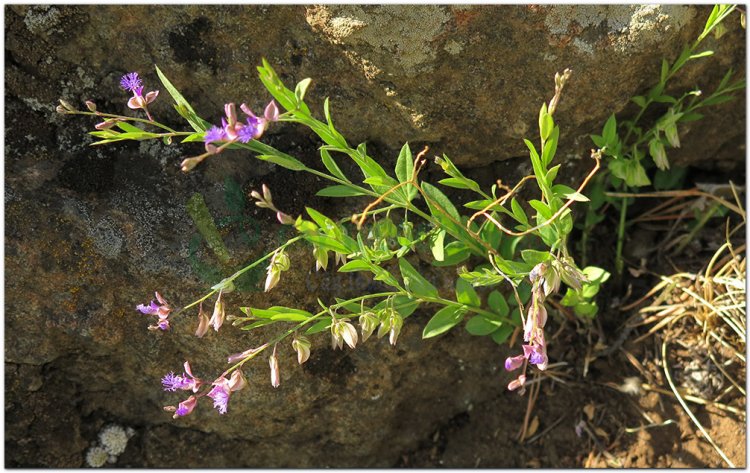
x: 90, y: 232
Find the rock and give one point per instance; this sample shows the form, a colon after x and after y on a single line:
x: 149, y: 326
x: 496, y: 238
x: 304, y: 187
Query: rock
x: 92, y: 232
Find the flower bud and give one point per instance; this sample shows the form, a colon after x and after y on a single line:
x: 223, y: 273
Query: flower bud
x: 368, y: 321
x: 67, y: 106
x: 396, y: 323
x: 657, y: 151
x: 301, y: 345
x: 281, y: 261
x: 203, y: 322
x: 284, y: 219
x: 321, y: 258
x: 267, y: 194
x: 217, y: 319
x: 272, y: 279
x: 62, y: 110
x: 517, y: 383
x: 349, y: 334
x: 672, y: 136
x: 273, y: 362
x: 237, y: 381
x: 189, y: 163
x: 106, y: 124
x: 91, y: 106
x: 271, y: 112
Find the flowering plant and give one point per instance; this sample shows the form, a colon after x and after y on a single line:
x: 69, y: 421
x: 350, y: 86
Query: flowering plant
x: 498, y: 245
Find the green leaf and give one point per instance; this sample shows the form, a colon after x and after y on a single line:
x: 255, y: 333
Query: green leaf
x: 194, y: 137
x: 716, y: 100
x: 182, y: 106
x: 542, y: 208
x: 127, y: 127
x: 444, y: 320
x: 586, y: 309
x: 481, y: 205
x: 609, y: 132
x: 546, y: 125
x: 465, y: 294
x: 596, y: 274
x: 500, y: 335
x: 590, y: 290
x: 414, y: 281
x: 599, y: 141
x: 534, y: 257
x: 324, y: 324
x: 480, y: 326
x: 664, y: 71
x: 498, y: 304
x: 518, y: 212
x: 701, y: 54
x: 550, y: 148
x: 454, y: 253
x: 355, y: 265
x: 385, y: 181
x: 437, y: 198
x: 301, y: 89
x: 460, y: 183
x: 437, y: 245
x: 331, y: 165
x: 257, y: 323
x: 328, y: 243
x: 284, y: 161
x: 339, y: 191
x: 639, y: 100
x: 404, y: 164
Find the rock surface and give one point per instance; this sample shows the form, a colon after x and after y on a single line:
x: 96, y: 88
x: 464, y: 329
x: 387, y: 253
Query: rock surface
x: 91, y: 232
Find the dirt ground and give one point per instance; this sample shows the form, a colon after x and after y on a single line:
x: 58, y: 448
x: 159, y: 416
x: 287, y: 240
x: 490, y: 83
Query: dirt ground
x: 617, y: 409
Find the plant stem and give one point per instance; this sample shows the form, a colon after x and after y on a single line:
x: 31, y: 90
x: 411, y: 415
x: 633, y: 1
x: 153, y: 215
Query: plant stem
x: 621, y: 237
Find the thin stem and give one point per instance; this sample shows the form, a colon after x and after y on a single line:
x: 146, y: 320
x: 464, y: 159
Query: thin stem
x: 240, y: 272
x: 124, y: 118
x: 621, y: 237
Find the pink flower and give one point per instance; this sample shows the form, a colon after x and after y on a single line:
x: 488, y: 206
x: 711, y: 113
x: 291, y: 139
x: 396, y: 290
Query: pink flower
x: 224, y: 387
x: 161, y: 310
x: 134, y: 84
x: 184, y: 408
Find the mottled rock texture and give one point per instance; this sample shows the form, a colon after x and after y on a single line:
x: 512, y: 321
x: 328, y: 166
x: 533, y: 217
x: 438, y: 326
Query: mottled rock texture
x: 91, y: 232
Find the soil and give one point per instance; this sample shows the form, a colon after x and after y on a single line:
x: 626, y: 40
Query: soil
x: 642, y: 428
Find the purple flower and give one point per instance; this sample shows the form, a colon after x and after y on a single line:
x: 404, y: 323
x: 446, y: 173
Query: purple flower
x: 253, y: 129
x: 214, y: 134
x: 220, y: 395
x: 131, y: 82
x: 160, y: 309
x: 173, y: 382
x: 536, y: 354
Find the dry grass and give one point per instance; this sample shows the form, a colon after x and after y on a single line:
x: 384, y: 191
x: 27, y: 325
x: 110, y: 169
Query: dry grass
x: 703, y: 315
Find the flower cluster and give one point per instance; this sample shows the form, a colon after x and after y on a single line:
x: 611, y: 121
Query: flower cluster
x: 220, y: 392
x: 232, y: 130
x: 160, y: 309
x: 133, y: 83
x: 266, y: 201
x: 545, y: 279
x: 535, y: 351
